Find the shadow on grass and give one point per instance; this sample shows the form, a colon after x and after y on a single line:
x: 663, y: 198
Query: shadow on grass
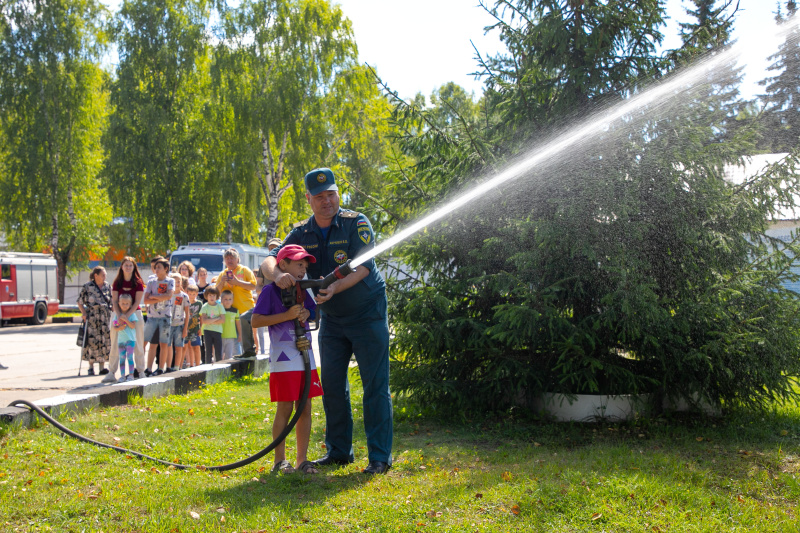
x: 293, y: 492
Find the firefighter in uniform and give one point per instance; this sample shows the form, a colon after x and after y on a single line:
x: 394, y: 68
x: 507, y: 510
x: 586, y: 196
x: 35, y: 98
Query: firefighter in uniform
x: 353, y: 322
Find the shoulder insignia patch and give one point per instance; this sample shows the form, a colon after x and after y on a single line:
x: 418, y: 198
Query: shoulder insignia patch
x: 349, y: 214
x: 301, y: 223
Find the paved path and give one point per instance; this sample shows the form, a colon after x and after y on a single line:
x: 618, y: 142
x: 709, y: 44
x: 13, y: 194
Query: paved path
x: 42, y: 362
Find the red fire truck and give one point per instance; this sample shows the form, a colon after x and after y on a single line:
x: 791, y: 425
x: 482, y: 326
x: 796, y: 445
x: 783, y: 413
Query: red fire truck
x: 28, y: 287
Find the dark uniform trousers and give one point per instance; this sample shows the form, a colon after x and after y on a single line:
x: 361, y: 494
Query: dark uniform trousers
x: 369, y: 342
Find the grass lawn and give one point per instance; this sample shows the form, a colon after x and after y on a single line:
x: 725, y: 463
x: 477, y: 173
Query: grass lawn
x: 737, y: 474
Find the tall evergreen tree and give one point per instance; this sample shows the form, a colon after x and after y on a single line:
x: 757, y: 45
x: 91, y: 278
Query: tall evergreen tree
x: 622, y: 263
x: 781, y: 118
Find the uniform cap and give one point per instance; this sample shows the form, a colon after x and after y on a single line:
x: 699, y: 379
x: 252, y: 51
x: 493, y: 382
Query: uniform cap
x: 295, y: 252
x: 319, y: 180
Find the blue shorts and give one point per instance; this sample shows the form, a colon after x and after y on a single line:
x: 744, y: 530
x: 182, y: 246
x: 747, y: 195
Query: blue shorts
x: 176, y: 336
x: 197, y: 340
x: 160, y: 324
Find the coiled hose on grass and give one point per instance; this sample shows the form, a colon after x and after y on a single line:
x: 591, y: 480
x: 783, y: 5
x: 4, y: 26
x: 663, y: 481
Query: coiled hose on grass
x: 221, y: 468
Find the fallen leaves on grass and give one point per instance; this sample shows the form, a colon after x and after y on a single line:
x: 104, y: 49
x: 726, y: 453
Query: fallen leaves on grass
x: 433, y: 514
x: 597, y: 516
x: 507, y: 476
x: 194, y: 515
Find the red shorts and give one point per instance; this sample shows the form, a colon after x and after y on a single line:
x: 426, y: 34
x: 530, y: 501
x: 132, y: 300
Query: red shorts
x: 287, y: 386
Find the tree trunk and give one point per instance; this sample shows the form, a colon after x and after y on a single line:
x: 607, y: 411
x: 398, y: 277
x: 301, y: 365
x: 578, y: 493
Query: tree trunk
x: 61, y: 273
x: 271, y: 181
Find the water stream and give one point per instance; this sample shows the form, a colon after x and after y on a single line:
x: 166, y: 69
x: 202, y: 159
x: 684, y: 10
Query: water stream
x: 671, y: 89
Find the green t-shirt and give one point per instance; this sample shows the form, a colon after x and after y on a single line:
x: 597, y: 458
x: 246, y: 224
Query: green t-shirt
x: 212, y: 311
x: 229, y: 327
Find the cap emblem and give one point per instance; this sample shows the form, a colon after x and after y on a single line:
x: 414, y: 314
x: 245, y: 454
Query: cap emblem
x: 321, y: 177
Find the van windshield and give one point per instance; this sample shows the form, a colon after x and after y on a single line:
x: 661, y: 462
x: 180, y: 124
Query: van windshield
x: 211, y: 262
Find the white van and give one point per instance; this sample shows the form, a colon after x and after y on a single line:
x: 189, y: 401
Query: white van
x: 209, y: 256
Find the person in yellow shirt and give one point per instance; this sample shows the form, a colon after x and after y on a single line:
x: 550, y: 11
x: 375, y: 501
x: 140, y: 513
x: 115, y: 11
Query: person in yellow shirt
x: 241, y: 281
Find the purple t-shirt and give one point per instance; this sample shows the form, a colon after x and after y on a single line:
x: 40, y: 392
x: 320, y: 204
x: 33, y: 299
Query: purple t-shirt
x: 283, y: 353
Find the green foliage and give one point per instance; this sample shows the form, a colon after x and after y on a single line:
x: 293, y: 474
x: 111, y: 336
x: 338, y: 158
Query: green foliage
x: 157, y: 171
x: 624, y: 264
x: 288, y: 72
x: 53, y: 111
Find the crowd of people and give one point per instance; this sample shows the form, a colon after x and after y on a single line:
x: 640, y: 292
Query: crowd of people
x: 192, y: 320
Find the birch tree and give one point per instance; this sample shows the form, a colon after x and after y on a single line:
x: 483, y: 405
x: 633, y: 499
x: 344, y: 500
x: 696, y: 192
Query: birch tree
x: 303, y: 92
x: 157, y: 172
x: 52, y: 113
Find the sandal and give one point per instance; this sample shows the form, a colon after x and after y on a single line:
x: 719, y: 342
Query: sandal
x: 283, y: 467
x: 307, y: 467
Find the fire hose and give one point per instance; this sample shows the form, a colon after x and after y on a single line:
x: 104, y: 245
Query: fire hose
x: 289, y: 297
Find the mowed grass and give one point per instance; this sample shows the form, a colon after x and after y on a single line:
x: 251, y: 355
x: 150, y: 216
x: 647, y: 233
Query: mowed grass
x: 497, y: 474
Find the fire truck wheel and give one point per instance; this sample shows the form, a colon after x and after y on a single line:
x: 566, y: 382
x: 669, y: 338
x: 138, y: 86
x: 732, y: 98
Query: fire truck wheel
x: 39, y: 315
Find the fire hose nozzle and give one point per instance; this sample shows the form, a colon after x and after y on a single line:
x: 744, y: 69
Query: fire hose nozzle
x: 338, y: 273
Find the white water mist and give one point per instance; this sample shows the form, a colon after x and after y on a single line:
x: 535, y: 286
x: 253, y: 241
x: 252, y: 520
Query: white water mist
x: 670, y: 90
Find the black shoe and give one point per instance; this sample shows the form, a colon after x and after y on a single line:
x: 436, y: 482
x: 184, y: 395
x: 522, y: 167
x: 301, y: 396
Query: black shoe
x: 377, y: 467
x: 90, y: 372
x: 135, y: 374
x: 170, y: 369
x: 148, y: 372
x: 158, y: 372
x: 103, y: 372
x: 327, y: 460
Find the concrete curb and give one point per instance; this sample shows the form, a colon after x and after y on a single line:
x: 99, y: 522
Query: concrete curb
x: 113, y: 394
x: 63, y: 319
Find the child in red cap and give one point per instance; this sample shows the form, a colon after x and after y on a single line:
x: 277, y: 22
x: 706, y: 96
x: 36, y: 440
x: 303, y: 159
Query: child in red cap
x: 286, y: 369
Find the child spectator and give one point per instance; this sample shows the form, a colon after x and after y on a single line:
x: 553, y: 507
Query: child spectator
x: 153, y: 352
x: 212, y: 316
x: 158, y: 298
x: 231, y: 329
x: 126, y: 336
x: 202, y: 283
x: 286, y: 368
x: 179, y: 325
x: 193, y: 335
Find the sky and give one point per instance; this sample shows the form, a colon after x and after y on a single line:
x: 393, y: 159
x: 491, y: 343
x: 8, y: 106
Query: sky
x: 418, y: 45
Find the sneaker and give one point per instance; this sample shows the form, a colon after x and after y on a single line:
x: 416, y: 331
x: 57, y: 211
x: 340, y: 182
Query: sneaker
x: 148, y: 372
x: 103, y: 372
x: 170, y: 369
x: 121, y: 379
x: 90, y: 372
x: 158, y: 372
x: 135, y: 374
x: 129, y: 378
x: 109, y: 379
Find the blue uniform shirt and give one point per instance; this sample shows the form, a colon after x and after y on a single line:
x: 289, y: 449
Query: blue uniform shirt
x: 350, y: 234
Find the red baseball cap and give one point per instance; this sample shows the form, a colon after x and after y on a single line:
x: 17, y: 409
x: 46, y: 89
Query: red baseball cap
x: 295, y: 253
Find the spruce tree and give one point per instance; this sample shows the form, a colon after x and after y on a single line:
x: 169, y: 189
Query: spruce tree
x: 624, y: 263
x: 782, y: 98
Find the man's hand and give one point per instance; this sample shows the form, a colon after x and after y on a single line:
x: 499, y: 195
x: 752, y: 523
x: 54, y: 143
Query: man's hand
x: 326, y: 294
